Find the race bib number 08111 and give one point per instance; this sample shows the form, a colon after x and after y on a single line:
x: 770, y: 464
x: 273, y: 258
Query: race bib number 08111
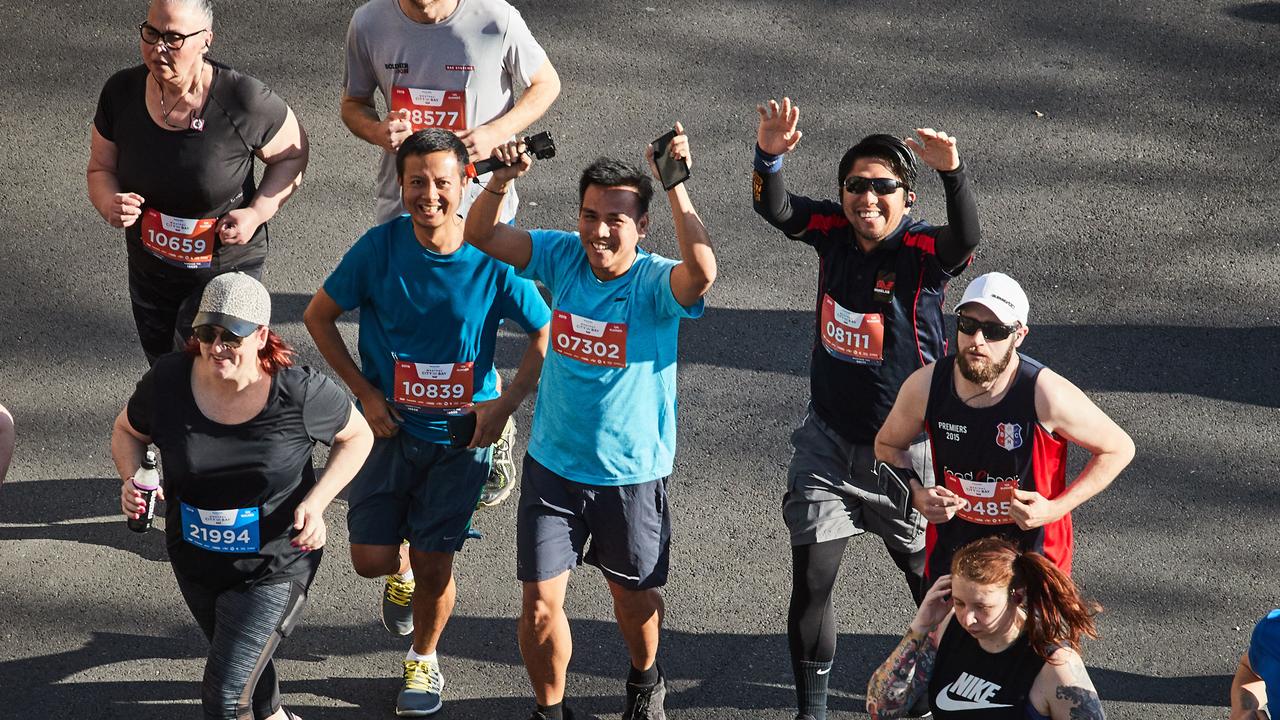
x: 445, y: 109
x: 590, y: 341
x: 178, y: 241
x: 851, y: 336
x: 434, y: 386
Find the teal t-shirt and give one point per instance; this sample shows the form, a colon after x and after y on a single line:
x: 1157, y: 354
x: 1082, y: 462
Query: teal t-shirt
x: 606, y: 411
x: 425, y: 316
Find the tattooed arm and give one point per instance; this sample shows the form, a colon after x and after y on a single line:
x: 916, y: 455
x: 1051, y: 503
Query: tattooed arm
x: 1248, y: 693
x: 1064, y: 686
x: 904, y: 677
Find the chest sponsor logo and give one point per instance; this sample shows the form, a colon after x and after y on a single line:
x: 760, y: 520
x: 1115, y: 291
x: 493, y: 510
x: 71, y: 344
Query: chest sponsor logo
x: 460, y: 68
x: 883, y: 290
x: 952, y: 430
x: 400, y: 68
x: 1009, y: 436
x: 968, y: 692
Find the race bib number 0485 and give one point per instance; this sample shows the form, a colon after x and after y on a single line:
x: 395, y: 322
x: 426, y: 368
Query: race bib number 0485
x: 446, y: 109
x: 178, y: 241
x: 988, y: 500
x: 589, y: 341
x: 434, y: 386
x: 851, y: 336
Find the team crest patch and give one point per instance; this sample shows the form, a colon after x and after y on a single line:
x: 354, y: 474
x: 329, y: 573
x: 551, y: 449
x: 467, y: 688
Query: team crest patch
x: 1009, y: 435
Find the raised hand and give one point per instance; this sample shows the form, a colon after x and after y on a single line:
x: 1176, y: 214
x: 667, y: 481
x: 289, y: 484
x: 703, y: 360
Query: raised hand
x: 936, y: 148
x: 777, y: 133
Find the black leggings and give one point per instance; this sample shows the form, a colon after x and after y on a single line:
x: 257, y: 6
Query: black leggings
x: 811, y: 627
x: 165, y: 304
x: 244, y: 625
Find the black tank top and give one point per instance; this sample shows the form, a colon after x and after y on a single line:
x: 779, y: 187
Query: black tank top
x: 969, y: 683
x: 982, y: 455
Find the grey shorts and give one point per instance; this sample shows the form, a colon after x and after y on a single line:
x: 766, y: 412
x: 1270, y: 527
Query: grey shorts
x: 832, y: 491
x: 421, y: 491
x: 629, y: 527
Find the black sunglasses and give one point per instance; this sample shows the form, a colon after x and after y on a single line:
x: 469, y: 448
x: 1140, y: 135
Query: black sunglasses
x: 172, y: 40
x: 881, y: 186
x: 992, y: 331
x: 207, y: 334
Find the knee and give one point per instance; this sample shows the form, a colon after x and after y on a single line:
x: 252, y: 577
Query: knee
x: 220, y: 700
x: 539, y: 612
x: 432, y: 573
x: 640, y: 604
x: 374, y: 561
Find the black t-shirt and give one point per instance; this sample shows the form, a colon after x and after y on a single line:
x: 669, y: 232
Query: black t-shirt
x: 191, y: 173
x: 877, y: 315
x: 970, y: 683
x: 262, y: 466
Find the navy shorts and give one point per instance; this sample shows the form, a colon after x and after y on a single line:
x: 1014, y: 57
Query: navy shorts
x: 628, y: 526
x: 420, y: 491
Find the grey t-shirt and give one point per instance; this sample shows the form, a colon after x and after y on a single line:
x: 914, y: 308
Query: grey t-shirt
x: 457, y: 73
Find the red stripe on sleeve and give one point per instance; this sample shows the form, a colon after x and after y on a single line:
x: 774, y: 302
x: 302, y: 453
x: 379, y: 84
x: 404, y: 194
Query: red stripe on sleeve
x: 826, y: 223
x: 919, y: 240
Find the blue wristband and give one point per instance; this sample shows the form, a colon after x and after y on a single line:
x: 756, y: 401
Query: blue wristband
x: 766, y: 163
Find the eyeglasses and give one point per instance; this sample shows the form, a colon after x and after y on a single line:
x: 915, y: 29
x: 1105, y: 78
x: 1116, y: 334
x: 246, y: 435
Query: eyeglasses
x: 171, y: 40
x: 881, y: 186
x: 993, y: 331
x: 208, y: 334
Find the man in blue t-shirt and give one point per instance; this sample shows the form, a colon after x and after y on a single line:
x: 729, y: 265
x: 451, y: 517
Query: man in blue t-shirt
x: 430, y: 306
x: 604, y: 429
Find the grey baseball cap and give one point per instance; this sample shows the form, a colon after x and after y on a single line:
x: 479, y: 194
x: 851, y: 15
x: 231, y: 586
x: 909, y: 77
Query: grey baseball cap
x: 234, y: 301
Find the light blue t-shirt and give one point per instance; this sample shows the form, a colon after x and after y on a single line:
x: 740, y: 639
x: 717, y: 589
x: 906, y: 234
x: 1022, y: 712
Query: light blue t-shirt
x: 606, y: 412
x: 431, y: 312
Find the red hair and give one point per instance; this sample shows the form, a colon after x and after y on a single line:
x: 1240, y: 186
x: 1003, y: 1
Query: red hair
x: 273, y: 356
x: 1056, y: 613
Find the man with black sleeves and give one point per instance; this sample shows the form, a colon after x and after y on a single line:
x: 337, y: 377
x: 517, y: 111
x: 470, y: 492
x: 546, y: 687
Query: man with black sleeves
x: 878, y: 318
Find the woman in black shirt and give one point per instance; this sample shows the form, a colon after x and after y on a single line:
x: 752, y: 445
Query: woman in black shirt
x: 171, y: 161
x: 997, y: 638
x: 235, y: 423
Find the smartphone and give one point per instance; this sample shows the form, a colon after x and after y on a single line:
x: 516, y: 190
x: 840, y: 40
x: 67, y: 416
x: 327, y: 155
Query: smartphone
x: 895, y: 487
x: 671, y: 172
x: 462, y: 428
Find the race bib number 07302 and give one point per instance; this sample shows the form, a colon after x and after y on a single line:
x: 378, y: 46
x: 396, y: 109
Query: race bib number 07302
x: 851, y: 336
x: 590, y: 341
x: 178, y: 241
x: 445, y: 109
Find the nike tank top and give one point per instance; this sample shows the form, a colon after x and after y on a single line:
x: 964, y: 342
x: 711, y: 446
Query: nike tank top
x: 969, y: 683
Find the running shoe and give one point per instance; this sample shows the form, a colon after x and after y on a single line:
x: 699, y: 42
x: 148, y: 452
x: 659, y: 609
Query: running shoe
x: 502, y: 475
x: 645, y: 702
x: 565, y: 713
x: 420, y: 695
x: 397, y: 605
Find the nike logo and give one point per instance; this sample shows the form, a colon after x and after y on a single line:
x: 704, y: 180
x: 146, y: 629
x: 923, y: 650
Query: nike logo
x: 975, y: 694
x: 824, y: 672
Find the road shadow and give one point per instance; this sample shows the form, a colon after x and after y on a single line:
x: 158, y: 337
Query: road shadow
x: 708, y: 670
x: 1267, y: 13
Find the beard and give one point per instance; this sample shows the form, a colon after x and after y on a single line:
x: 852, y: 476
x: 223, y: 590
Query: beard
x: 982, y: 372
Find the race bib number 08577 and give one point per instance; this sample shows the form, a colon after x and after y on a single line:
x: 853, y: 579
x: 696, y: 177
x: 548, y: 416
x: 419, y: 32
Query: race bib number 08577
x: 589, y: 341
x: 446, y: 109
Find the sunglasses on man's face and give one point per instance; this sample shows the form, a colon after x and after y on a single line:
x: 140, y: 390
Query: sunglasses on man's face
x: 993, y: 331
x: 880, y: 186
x: 208, y: 334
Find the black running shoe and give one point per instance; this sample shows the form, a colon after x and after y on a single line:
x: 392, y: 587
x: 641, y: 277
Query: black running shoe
x: 645, y: 702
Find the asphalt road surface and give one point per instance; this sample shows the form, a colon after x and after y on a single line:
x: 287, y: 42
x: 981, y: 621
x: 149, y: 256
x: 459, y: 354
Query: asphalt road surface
x: 1125, y: 160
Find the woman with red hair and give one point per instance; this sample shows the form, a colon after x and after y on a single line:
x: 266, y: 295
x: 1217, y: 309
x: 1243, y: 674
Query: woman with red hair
x: 997, y: 638
x: 235, y: 422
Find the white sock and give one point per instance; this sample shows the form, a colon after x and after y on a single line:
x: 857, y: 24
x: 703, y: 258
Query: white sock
x: 407, y: 574
x: 411, y: 655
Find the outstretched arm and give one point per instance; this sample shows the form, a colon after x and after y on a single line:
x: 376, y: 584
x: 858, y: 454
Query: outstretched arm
x: 692, y: 278
x: 957, y: 241
x: 483, y: 230
x: 776, y: 135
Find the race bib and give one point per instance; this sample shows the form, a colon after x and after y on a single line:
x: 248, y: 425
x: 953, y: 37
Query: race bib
x: 178, y: 241
x: 589, y: 341
x: 850, y: 336
x: 434, y: 386
x: 988, y: 500
x: 224, y: 531
x: 445, y: 109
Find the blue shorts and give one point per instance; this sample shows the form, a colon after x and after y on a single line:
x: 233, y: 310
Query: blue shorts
x: 629, y: 527
x: 416, y: 490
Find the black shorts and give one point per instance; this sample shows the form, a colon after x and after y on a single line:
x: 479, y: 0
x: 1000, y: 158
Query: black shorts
x: 629, y: 527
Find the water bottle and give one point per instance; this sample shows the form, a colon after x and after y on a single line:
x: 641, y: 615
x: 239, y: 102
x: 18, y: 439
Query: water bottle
x: 147, y: 481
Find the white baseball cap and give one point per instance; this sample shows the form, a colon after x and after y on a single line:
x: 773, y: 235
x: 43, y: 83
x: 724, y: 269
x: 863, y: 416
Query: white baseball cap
x: 1000, y: 294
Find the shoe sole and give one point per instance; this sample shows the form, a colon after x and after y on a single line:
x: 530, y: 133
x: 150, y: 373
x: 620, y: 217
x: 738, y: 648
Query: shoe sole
x: 395, y: 632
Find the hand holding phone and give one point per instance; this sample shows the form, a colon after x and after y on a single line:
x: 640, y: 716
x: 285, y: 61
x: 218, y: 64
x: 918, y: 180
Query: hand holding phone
x: 671, y: 159
x: 461, y: 429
